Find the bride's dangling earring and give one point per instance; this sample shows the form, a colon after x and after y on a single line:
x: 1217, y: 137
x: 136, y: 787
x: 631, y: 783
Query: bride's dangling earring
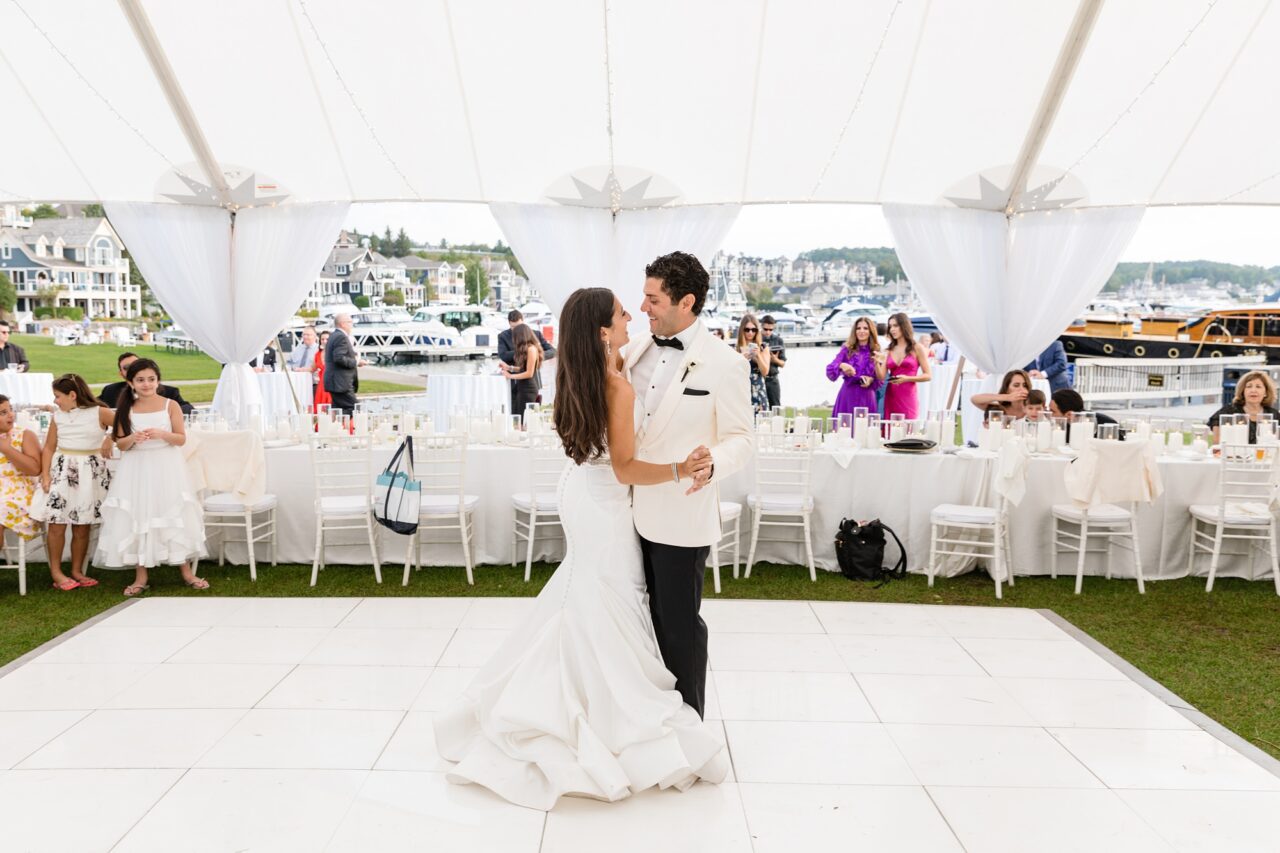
x: 608, y: 352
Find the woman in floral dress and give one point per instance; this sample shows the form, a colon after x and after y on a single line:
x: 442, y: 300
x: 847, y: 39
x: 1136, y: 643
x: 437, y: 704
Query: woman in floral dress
x: 19, y: 468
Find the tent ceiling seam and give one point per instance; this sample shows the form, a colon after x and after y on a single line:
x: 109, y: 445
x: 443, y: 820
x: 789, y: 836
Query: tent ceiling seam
x: 35, y: 105
x: 1143, y: 91
x: 179, y: 106
x: 857, y: 101
x: 462, y: 92
x: 324, y: 110
x: 368, y: 125
x: 66, y: 60
x: 755, y: 97
x: 902, y: 100
x: 1055, y: 91
x: 1213, y: 96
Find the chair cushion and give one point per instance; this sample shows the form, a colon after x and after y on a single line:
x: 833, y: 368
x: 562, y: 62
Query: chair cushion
x: 225, y: 502
x: 781, y: 503
x: 437, y: 505
x: 333, y: 505
x: 729, y: 510
x: 963, y: 514
x: 546, y: 501
x: 1100, y: 514
x: 1238, y: 514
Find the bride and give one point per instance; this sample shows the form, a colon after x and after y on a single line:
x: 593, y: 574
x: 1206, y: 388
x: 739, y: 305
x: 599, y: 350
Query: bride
x: 577, y: 701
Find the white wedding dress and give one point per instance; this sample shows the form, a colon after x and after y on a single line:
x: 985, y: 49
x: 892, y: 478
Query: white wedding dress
x: 577, y: 701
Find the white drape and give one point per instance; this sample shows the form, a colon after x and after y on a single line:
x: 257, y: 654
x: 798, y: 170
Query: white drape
x: 230, y: 285
x: 1002, y: 289
x: 563, y: 248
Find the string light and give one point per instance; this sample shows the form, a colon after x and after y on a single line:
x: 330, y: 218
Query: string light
x: 94, y: 90
x: 1250, y: 188
x: 866, y: 77
x: 615, y: 189
x: 373, y: 134
x: 1143, y: 91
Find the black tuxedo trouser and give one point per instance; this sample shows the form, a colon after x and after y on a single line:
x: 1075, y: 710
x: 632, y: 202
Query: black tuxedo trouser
x: 674, y: 575
x: 343, y: 401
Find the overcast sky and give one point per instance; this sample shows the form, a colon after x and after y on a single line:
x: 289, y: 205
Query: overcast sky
x: 1239, y: 235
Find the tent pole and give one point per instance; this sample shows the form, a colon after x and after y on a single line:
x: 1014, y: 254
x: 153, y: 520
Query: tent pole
x: 955, y: 383
x: 1055, y: 90
x: 182, y: 112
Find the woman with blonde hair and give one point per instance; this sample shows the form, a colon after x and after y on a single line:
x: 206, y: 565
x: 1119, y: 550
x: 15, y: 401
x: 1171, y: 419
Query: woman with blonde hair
x: 1255, y: 395
x: 750, y: 348
x: 863, y: 373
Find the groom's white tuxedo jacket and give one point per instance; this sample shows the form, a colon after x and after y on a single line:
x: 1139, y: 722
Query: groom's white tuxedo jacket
x: 707, y: 403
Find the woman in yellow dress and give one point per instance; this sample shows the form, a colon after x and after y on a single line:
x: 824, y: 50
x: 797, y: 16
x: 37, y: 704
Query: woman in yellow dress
x: 19, y: 467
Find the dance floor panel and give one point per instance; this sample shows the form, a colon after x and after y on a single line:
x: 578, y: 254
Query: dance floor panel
x: 275, y: 724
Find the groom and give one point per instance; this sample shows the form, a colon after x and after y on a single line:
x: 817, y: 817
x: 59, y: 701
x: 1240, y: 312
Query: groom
x: 691, y: 390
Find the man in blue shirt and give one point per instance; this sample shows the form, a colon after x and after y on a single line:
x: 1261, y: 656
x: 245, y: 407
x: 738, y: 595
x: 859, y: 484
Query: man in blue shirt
x: 1052, y: 365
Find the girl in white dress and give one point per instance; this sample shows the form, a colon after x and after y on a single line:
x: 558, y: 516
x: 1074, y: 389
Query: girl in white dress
x: 151, y: 516
x: 73, y: 477
x: 577, y: 701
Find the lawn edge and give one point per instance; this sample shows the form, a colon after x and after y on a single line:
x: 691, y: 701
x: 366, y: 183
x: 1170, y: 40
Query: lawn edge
x: 53, y: 642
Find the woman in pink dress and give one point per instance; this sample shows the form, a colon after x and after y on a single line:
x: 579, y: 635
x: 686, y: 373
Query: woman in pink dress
x: 907, y: 363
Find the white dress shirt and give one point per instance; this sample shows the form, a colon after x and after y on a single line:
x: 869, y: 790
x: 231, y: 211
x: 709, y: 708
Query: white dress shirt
x: 653, y: 374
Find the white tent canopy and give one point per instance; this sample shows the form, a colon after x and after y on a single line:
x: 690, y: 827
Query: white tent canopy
x: 1129, y: 102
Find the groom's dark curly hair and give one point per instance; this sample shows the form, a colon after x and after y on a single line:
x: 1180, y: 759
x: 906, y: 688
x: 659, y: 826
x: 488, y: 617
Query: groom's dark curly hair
x: 681, y: 274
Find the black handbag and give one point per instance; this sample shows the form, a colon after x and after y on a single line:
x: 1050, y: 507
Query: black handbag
x: 860, y: 551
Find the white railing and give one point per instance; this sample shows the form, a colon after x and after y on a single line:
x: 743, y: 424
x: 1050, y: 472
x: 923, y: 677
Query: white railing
x: 1143, y: 379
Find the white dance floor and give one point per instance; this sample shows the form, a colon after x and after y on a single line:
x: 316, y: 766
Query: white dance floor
x: 266, y: 724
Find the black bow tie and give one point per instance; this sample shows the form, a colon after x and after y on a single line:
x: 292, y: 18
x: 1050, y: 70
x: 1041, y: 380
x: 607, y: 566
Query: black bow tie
x: 674, y: 343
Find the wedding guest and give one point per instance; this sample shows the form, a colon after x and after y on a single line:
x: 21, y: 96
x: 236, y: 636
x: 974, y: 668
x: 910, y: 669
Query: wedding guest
x: 749, y: 347
x: 906, y: 364
x: 303, y: 357
x: 1052, y: 365
x: 525, y: 373
x: 10, y: 353
x: 926, y: 341
x: 340, y: 365
x: 19, y: 468
x: 506, y: 338
x: 151, y: 516
x: 1035, y: 404
x: 1255, y: 395
x: 110, y: 393
x: 777, y: 350
x: 1015, y: 387
x: 322, y: 397
x: 1065, y: 401
x: 941, y: 349
x: 267, y: 361
x: 858, y: 368
x: 73, y: 477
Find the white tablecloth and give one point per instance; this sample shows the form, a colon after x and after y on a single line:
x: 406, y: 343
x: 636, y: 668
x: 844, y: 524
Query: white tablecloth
x: 277, y: 399
x: 477, y: 392
x: 899, y: 489
x: 933, y: 394
x: 27, y: 389
x: 971, y: 414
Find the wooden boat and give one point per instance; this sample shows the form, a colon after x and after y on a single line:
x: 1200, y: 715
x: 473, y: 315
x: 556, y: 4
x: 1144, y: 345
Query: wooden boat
x: 1243, y: 330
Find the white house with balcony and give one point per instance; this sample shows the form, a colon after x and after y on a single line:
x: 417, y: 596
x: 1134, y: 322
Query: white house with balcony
x: 356, y: 270
x: 77, y: 262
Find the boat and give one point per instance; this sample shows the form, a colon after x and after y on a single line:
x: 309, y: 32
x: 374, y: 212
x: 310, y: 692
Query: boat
x: 1233, y: 331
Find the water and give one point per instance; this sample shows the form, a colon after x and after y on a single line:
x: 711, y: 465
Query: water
x: 804, y: 379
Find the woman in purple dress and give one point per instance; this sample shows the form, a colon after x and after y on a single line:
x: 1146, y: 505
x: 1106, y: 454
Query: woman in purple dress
x: 860, y: 372
x: 907, y: 363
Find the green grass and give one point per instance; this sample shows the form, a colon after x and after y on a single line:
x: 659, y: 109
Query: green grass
x: 97, y: 362
x: 1218, y: 651
x: 202, y: 393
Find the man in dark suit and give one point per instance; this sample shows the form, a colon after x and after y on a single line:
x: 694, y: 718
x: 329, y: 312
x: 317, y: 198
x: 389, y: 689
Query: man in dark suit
x: 340, y: 363
x: 11, y: 353
x: 1052, y: 365
x: 111, y: 393
x: 507, y: 350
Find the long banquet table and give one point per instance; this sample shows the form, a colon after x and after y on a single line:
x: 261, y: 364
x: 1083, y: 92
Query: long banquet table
x: 899, y: 489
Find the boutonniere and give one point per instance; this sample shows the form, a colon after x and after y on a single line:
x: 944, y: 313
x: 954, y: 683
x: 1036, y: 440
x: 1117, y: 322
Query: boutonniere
x: 688, y: 367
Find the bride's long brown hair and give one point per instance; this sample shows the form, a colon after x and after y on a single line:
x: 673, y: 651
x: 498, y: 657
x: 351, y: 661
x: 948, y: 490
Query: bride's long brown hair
x: 581, y: 415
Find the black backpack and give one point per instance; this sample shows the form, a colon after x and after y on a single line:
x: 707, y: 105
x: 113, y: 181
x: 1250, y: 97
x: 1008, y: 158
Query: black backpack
x: 860, y: 551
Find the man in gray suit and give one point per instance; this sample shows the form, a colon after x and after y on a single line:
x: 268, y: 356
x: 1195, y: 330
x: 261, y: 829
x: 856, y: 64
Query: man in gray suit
x: 340, y: 363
